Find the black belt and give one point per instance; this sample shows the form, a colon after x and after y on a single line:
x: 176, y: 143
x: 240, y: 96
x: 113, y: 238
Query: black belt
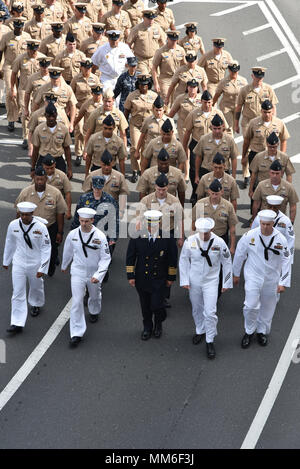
x: 268, y: 248
x: 204, y: 252
x: 26, y: 235
x: 86, y: 245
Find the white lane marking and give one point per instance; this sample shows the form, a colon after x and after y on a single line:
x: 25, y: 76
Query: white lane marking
x: 33, y: 359
x: 286, y: 82
x: 176, y: 2
x: 284, y: 25
x: 295, y: 158
x: 284, y: 41
x: 291, y: 118
x: 232, y: 10
x: 273, y: 389
x: 257, y: 29
x: 271, y: 54
x: 4, y: 204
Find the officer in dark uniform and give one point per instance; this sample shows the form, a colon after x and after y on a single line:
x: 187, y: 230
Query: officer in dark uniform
x: 151, y: 265
x: 126, y: 82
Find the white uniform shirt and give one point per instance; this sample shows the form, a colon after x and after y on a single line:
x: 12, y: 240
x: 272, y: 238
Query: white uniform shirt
x: 18, y: 252
x: 257, y: 269
x: 284, y: 225
x: 111, y: 61
x: 98, y: 260
x: 194, y: 268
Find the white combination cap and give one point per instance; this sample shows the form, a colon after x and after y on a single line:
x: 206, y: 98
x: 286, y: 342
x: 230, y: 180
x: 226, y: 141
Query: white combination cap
x: 86, y: 212
x: 274, y: 199
x: 204, y: 225
x: 26, y: 207
x: 153, y: 216
x: 267, y: 215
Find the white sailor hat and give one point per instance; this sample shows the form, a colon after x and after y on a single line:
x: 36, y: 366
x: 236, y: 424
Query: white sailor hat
x: 26, y: 207
x: 42, y: 220
x: 204, y: 225
x: 86, y: 212
x: 267, y: 215
x: 153, y: 216
x: 274, y: 199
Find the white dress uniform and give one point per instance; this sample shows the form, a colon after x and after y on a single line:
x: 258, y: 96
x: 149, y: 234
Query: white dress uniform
x: 90, y: 259
x: 264, y: 270
x: 111, y: 62
x: 203, y: 279
x: 26, y: 262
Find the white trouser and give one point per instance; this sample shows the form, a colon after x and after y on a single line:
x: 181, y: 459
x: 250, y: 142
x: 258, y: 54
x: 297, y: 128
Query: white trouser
x: 259, y: 306
x: 36, y: 295
x: 108, y: 82
x: 77, y: 319
x: 204, y: 307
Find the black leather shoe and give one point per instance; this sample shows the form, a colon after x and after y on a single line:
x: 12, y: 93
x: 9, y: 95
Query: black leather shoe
x: 246, y: 182
x: 35, y: 311
x: 134, y: 177
x: 167, y: 304
x: 210, y: 350
x: 93, y: 317
x: 157, y: 330
x: 262, y: 339
x: 146, y: 335
x: 11, y: 126
x: 14, y: 329
x: 25, y: 144
x: 74, y: 341
x: 246, y: 340
x: 78, y: 161
x: 197, y: 338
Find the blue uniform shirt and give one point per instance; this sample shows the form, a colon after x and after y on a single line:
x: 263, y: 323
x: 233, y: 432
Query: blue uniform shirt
x: 124, y: 85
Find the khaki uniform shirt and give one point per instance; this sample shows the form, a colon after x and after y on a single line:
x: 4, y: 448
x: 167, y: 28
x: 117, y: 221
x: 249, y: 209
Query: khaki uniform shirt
x: 120, y: 24
x: 215, y: 69
x: 285, y: 190
x: 257, y: 132
x: 168, y: 60
x: 97, y: 144
x: 171, y: 209
x: 60, y: 180
x: 71, y: 65
x: 38, y: 30
x: 54, y: 12
x: 252, y: 100
x: 82, y: 87
x: 146, y: 41
x: 27, y: 67
x: 207, y: 147
x: 174, y: 148
x: 89, y: 45
x: 135, y: 11
x: 224, y: 215
x: 12, y: 48
x: 53, y: 143
x: 194, y: 43
x: 49, y: 205
x: 164, y: 19
x: 199, y: 125
x: 35, y: 82
x: 51, y: 47
x: 92, y: 9
x: 146, y: 184
x: 229, y: 185
x: 97, y: 117
x: 230, y: 90
x: 152, y: 126
x: 38, y: 117
x: 64, y: 94
x: 80, y: 29
x: 86, y: 109
x: 186, y: 105
x: 184, y: 74
x: 140, y: 106
x: 261, y: 163
x: 115, y: 184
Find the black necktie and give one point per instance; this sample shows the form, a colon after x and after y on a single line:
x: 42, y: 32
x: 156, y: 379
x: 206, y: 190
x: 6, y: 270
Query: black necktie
x: 268, y: 248
x: 204, y: 252
x: 151, y: 242
x: 86, y: 245
x: 26, y: 235
x: 276, y: 222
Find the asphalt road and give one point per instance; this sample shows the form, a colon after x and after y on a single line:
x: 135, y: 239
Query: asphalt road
x: 116, y: 391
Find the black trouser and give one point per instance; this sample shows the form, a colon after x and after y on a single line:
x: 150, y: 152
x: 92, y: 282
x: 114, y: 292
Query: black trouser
x: 192, y: 172
x: 152, y: 300
x: 251, y: 156
x: 225, y: 237
x: 59, y: 162
x: 53, y: 230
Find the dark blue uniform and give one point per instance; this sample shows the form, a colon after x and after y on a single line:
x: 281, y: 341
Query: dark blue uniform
x: 124, y: 85
x: 3, y: 7
x: 151, y: 264
x: 105, y: 207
